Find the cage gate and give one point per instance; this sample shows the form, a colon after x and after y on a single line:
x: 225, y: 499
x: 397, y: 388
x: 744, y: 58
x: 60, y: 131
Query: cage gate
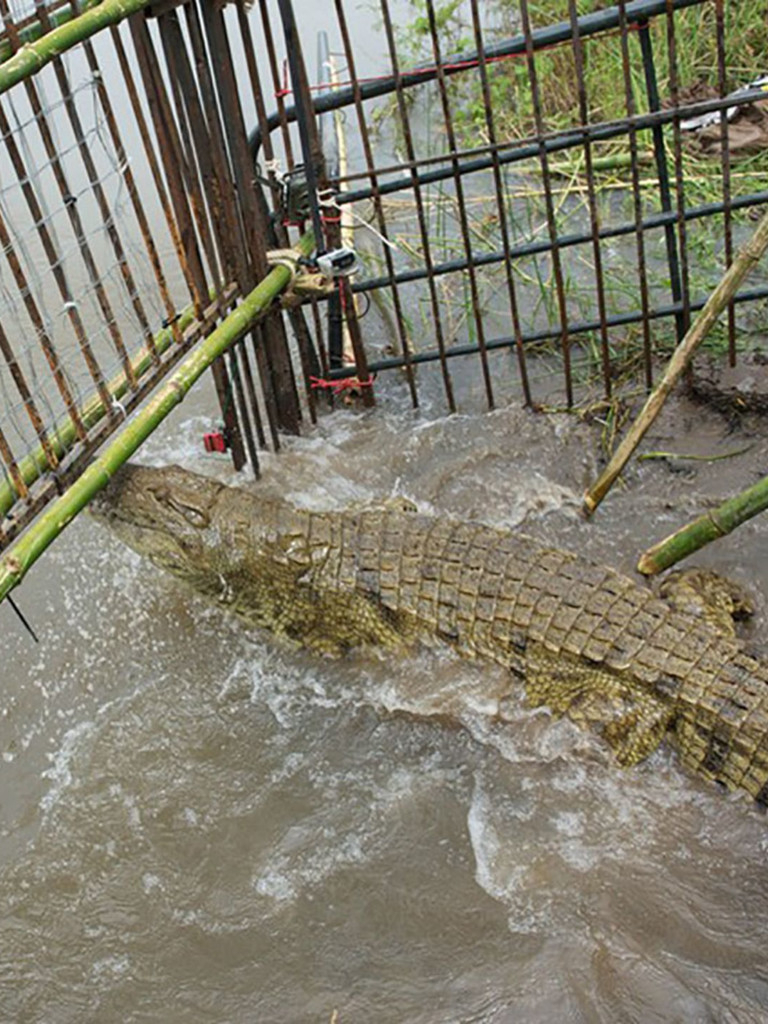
x: 516, y: 231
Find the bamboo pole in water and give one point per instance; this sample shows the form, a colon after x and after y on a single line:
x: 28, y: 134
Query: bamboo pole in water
x: 706, y: 528
x: 22, y: 556
x: 36, y: 54
x: 715, y: 304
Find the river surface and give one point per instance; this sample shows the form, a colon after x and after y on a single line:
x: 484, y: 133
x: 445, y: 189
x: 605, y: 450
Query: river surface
x: 198, y: 824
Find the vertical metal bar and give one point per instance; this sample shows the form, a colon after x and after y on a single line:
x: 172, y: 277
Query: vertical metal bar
x: 12, y: 468
x: 679, y: 174
x: 110, y: 224
x: 195, y: 147
x: 425, y: 243
x: 157, y: 178
x: 654, y: 104
x: 52, y: 255
x: 310, y: 147
x: 725, y: 161
x: 637, y: 199
x: 557, y: 270
x: 29, y: 403
x: 578, y: 57
x: 279, y: 385
x: 251, y: 387
x: 315, y: 175
x: 501, y: 201
x: 173, y: 159
x: 130, y: 184
x: 231, y: 236
x: 278, y: 233
x: 170, y: 151
x: 378, y: 206
x: 269, y: 42
x: 461, y: 203
x: 245, y: 423
x: 46, y: 341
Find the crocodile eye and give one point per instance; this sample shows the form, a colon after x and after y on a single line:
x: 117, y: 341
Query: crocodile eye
x: 194, y: 516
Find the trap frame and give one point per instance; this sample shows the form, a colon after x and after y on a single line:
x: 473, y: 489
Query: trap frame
x: 490, y: 248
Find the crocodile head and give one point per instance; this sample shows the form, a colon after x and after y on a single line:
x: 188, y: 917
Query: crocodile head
x: 161, y: 513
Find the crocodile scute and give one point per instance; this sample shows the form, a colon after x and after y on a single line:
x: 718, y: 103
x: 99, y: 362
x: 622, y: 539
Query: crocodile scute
x: 585, y: 640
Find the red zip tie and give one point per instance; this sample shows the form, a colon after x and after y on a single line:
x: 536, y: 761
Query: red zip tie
x: 340, y: 384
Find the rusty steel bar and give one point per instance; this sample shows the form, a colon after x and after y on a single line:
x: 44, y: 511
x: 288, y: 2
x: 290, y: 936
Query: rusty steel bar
x: 30, y: 405
x: 170, y: 152
x: 272, y: 331
x: 173, y: 160
x: 278, y: 233
x: 416, y: 187
x: 12, y: 468
x: 49, y: 247
x: 107, y: 216
x: 46, y: 342
x: 157, y: 178
x: 274, y: 68
x: 262, y: 341
x: 194, y: 145
x: 130, y: 184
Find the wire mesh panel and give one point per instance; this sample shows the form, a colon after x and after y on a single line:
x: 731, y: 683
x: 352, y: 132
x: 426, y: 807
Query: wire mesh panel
x: 129, y: 225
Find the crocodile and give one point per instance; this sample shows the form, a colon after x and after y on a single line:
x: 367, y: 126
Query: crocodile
x: 585, y: 640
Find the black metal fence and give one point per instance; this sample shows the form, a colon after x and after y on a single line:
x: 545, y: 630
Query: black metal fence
x: 533, y: 259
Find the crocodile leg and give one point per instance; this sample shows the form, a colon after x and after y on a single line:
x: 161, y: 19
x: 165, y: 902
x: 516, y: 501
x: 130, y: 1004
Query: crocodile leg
x: 708, y: 596
x: 631, y: 721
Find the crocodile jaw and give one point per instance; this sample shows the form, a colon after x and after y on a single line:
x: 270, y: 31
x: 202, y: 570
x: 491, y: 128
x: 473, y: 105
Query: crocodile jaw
x: 160, y: 513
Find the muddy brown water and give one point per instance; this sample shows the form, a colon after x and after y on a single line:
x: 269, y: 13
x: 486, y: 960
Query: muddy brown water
x: 200, y: 825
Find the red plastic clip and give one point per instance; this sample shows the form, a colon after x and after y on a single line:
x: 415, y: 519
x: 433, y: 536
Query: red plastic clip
x: 215, y: 441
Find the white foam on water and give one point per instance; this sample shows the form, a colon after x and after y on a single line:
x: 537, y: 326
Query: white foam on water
x: 60, y: 772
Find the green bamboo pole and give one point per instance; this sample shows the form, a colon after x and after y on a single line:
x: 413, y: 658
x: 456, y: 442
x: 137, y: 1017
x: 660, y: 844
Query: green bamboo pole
x: 714, y: 306
x: 35, y: 30
x: 22, y: 556
x: 706, y: 528
x: 63, y: 436
x: 37, y: 54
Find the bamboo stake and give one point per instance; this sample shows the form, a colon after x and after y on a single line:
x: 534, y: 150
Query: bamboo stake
x: 706, y: 528
x: 35, y: 30
x: 22, y: 556
x: 35, y: 55
x: 698, y: 330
